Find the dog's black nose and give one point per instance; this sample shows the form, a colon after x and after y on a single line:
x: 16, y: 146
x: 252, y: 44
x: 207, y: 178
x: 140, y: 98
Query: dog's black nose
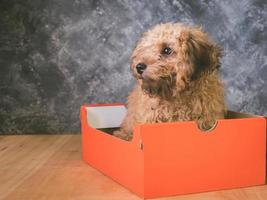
x: 140, y: 67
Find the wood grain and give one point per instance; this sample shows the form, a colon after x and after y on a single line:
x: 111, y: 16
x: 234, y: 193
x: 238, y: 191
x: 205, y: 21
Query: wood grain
x: 42, y: 167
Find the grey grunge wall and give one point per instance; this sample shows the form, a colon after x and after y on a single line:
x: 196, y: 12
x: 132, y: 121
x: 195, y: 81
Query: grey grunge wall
x: 58, y: 54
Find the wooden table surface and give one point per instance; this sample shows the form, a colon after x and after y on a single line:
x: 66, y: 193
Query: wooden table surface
x: 49, y: 167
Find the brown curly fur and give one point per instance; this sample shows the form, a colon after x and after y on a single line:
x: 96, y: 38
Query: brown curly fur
x: 182, y: 86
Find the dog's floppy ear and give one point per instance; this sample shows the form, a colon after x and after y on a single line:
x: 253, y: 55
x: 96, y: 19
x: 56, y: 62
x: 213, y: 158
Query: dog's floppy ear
x: 198, y: 52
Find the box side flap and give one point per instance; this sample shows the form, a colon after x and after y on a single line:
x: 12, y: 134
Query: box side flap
x: 238, y: 115
x: 119, y: 159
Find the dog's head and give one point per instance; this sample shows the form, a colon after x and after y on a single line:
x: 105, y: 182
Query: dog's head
x: 170, y: 56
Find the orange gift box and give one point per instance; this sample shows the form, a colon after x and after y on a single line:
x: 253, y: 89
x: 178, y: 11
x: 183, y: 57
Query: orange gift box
x: 167, y: 159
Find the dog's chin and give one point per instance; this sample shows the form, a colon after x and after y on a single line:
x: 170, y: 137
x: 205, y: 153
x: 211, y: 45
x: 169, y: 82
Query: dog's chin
x: 150, y: 87
x: 157, y: 88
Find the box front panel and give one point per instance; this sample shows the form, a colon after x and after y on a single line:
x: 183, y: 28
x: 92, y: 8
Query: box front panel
x: 180, y: 159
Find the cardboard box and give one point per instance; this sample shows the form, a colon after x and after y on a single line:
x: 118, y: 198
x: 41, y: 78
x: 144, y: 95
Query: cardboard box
x: 168, y: 159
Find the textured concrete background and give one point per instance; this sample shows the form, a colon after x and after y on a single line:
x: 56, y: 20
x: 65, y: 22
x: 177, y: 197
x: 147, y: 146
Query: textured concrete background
x: 58, y: 54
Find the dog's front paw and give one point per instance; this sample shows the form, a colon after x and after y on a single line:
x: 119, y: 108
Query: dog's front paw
x: 207, y: 125
x: 123, y: 135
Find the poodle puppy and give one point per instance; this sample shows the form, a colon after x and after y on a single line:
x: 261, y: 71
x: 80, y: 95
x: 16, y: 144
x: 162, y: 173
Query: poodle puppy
x: 176, y: 68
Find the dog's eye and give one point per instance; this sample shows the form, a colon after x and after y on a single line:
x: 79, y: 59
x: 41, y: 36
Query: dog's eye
x: 166, y: 51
